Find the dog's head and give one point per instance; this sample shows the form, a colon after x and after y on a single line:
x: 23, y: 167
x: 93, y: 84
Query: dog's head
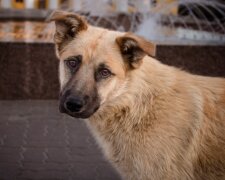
x: 94, y: 63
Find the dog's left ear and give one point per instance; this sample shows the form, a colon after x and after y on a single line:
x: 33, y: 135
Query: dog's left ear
x: 133, y: 49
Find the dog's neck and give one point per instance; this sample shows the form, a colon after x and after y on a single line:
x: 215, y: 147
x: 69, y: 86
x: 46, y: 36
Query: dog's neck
x: 125, y: 111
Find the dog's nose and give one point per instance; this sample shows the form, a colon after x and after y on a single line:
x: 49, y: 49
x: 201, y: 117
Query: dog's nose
x: 74, y: 105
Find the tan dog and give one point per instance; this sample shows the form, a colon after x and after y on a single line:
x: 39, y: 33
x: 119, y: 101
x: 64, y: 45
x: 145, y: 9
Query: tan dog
x: 152, y: 121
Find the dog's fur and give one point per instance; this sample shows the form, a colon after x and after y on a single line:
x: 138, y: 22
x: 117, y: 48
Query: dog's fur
x: 153, y: 121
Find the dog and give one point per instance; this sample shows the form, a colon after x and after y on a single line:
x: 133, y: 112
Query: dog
x: 152, y: 121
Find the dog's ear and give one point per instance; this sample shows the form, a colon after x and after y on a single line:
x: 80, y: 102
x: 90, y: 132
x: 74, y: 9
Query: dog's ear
x: 133, y: 49
x: 68, y: 25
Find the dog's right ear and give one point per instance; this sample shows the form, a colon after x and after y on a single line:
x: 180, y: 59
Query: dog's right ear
x: 68, y: 25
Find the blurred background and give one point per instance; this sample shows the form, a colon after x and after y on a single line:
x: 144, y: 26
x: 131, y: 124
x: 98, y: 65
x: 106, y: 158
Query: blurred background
x: 36, y: 141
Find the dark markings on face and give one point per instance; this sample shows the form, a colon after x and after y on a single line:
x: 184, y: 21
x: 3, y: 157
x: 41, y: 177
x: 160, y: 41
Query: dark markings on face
x: 73, y: 63
x: 103, y: 72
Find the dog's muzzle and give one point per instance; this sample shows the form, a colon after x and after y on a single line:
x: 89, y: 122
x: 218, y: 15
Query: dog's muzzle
x: 78, y: 105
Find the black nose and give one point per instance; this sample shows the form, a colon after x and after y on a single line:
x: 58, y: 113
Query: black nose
x: 74, y: 105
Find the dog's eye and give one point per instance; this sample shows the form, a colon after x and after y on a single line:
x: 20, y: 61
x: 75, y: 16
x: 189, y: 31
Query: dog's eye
x: 104, y: 73
x: 73, y: 62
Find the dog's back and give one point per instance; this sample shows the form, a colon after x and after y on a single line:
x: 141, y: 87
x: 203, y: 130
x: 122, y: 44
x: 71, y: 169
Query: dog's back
x: 201, y: 102
x: 198, y: 103
x: 210, y: 143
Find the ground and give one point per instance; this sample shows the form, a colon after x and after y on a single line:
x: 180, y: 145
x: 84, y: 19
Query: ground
x: 37, y: 142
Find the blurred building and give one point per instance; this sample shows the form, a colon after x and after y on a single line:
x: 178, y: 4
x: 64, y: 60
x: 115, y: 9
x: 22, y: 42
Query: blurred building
x: 116, y: 5
x: 31, y: 4
x: 180, y: 21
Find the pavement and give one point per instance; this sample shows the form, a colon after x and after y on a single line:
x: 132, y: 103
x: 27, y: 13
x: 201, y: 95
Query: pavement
x: 37, y: 142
